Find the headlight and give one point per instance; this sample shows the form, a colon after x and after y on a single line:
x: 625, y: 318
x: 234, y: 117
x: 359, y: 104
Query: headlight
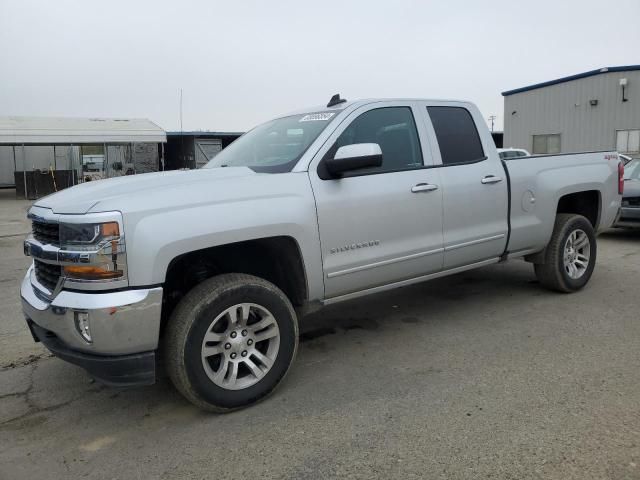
x: 96, y: 250
x: 87, y: 233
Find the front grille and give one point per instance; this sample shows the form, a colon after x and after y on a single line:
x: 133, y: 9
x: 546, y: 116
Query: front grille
x: 47, y: 233
x: 631, y: 201
x: 48, y: 275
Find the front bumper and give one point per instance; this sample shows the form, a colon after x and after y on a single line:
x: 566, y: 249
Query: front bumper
x: 115, y: 371
x: 124, y: 326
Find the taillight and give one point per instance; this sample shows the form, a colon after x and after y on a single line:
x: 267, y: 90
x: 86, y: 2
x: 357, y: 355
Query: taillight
x: 620, y: 178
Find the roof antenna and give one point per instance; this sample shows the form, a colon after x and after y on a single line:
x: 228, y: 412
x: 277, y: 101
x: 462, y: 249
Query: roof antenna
x: 335, y: 100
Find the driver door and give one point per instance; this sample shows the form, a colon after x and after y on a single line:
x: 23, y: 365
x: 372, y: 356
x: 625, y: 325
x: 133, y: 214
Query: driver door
x: 382, y: 224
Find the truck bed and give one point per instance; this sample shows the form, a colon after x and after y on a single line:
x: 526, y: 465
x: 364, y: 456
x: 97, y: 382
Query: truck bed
x: 538, y: 183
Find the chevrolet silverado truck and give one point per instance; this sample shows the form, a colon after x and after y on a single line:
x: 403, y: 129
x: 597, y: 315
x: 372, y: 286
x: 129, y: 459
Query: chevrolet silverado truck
x: 209, y: 270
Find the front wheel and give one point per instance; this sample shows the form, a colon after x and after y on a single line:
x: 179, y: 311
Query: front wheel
x: 230, y: 342
x: 570, y: 256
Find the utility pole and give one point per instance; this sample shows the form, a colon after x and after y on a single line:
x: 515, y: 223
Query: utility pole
x: 180, y: 111
x: 492, y: 118
x: 182, y: 156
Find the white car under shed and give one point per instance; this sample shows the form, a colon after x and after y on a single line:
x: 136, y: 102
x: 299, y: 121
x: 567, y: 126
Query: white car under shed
x: 41, y: 155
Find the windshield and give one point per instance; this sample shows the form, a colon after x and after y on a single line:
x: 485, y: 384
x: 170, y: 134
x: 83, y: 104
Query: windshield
x: 275, y: 146
x: 632, y: 170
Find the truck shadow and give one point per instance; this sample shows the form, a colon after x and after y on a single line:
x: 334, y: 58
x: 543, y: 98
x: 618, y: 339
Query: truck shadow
x: 421, y: 302
x: 396, y: 316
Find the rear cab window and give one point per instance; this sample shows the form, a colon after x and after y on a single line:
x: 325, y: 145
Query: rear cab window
x: 457, y: 135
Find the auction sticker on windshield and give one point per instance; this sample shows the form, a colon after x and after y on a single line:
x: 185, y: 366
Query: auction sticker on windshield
x: 315, y: 117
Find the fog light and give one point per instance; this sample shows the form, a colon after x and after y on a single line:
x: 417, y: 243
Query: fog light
x: 82, y: 325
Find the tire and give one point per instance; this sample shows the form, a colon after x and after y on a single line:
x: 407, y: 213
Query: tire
x: 211, y: 308
x: 556, y: 273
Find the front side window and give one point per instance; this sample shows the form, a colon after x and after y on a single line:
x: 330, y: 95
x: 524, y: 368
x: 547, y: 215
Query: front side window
x: 457, y: 135
x: 394, y: 129
x: 546, y: 144
x: 275, y: 146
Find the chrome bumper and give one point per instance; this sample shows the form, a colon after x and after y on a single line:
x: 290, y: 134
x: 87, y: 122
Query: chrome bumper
x: 121, y: 323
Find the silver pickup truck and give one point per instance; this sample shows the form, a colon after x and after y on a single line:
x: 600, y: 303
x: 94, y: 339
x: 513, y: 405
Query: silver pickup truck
x: 211, y: 269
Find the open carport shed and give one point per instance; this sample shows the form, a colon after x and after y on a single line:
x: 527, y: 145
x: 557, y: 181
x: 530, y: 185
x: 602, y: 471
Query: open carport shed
x: 41, y: 155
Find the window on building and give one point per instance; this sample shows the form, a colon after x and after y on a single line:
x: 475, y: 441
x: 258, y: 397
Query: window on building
x: 628, y: 141
x: 543, y: 144
x: 457, y: 135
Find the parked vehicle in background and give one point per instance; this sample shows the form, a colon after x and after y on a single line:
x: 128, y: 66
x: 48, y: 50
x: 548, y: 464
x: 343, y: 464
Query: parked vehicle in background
x: 507, y: 153
x: 625, y: 158
x: 630, y: 209
x: 216, y: 265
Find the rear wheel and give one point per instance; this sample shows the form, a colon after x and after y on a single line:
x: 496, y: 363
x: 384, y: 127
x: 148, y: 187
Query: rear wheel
x: 570, y: 256
x: 230, y: 342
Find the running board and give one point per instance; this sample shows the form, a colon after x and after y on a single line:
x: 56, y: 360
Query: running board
x: 411, y: 281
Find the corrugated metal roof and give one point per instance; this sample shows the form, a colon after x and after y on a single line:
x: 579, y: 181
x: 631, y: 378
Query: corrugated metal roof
x: 204, y: 133
x: 48, y: 130
x: 590, y: 73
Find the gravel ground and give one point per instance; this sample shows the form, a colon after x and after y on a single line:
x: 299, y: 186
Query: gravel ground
x: 483, y: 374
x: 15, y: 346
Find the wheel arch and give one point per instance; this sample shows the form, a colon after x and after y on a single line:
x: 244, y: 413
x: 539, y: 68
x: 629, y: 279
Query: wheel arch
x: 585, y: 202
x: 277, y: 259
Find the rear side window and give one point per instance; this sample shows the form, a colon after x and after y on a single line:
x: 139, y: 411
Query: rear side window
x: 457, y: 135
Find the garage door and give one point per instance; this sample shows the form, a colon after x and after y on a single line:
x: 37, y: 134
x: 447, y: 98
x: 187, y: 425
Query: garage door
x: 206, y: 149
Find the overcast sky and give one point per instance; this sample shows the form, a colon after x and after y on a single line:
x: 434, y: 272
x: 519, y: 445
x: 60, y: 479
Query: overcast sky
x: 242, y: 62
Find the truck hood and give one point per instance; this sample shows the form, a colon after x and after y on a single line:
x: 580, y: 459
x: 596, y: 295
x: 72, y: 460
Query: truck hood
x: 124, y: 193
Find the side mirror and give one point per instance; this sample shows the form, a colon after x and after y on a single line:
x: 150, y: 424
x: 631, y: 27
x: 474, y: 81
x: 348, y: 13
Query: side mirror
x: 354, y: 157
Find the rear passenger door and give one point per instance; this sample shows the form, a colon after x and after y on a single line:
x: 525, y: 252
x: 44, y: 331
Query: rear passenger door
x: 474, y: 186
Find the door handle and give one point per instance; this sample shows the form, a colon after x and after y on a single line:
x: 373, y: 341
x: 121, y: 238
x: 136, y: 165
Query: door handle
x: 491, y: 179
x: 424, y: 187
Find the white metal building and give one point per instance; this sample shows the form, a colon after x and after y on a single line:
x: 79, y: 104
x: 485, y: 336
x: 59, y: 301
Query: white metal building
x: 41, y: 155
x: 590, y: 111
